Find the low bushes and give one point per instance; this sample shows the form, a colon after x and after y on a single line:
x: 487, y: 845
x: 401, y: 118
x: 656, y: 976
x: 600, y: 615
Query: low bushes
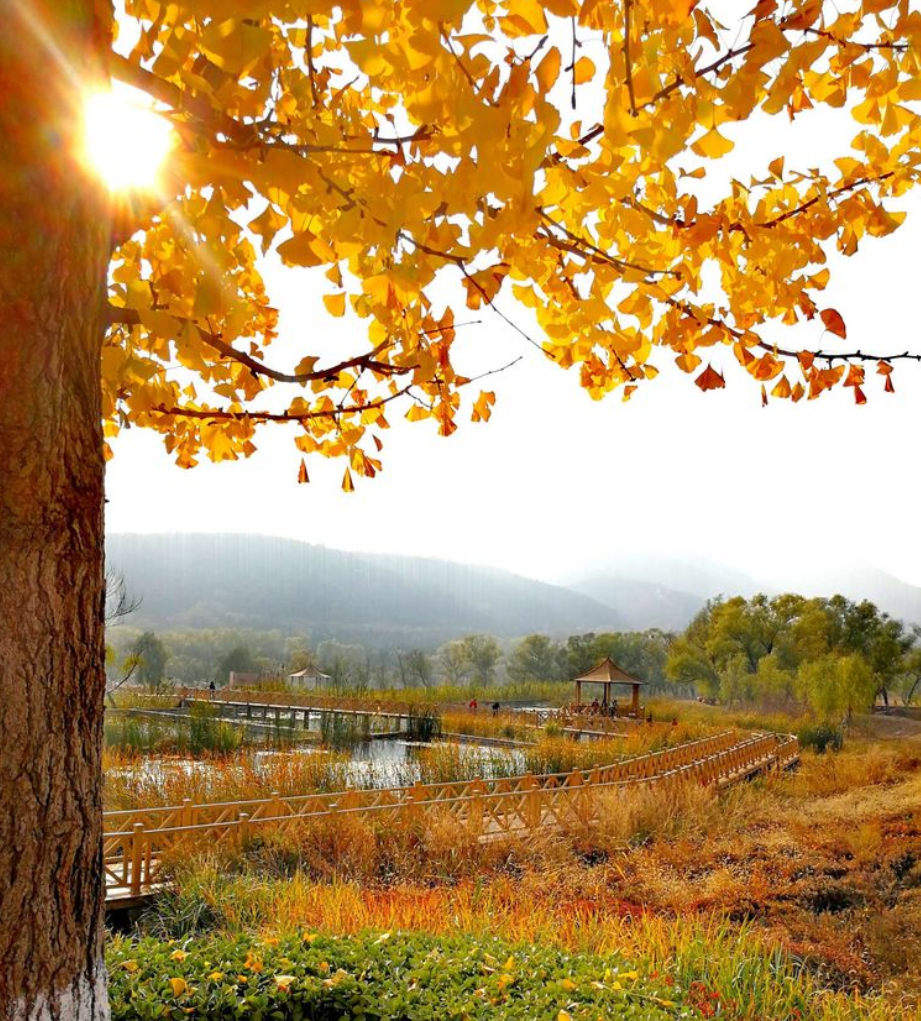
x: 821, y: 737
x: 385, y: 977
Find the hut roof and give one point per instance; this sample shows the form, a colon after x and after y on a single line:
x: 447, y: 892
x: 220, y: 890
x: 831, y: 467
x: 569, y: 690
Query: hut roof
x: 608, y: 671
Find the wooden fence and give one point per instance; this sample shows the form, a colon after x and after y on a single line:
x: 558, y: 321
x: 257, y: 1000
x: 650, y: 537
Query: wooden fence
x: 136, y: 841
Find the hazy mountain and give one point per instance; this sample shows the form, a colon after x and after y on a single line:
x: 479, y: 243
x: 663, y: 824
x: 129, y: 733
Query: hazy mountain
x: 261, y: 582
x: 202, y: 581
x: 856, y: 581
x: 639, y: 604
x: 695, y: 576
x: 666, y: 592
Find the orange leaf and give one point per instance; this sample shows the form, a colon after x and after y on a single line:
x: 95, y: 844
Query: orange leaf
x: 549, y: 69
x: 859, y: 395
x: 782, y: 388
x: 302, y: 475
x: 763, y: 396
x: 347, y: 485
x: 688, y: 362
x: 710, y: 379
x: 807, y: 14
x: 335, y: 304
x: 833, y: 322
x: 585, y: 70
x: 889, y: 388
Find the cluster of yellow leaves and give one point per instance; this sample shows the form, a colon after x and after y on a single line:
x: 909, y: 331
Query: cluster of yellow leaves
x: 390, y: 143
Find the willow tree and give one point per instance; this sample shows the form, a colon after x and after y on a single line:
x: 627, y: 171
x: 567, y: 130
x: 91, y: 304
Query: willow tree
x: 549, y: 153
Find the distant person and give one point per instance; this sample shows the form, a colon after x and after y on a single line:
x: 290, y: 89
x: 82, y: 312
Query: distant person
x: 649, y: 719
x: 674, y: 721
x: 595, y: 707
x: 473, y: 705
x: 614, y: 707
x: 211, y: 690
x: 495, y: 708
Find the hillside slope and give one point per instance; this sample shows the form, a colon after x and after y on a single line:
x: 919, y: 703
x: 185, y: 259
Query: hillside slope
x: 263, y: 582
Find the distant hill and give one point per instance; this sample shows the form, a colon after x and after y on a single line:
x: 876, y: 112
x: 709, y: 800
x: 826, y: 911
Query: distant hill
x: 199, y: 581
x: 856, y: 581
x: 252, y: 581
x: 641, y: 604
x: 673, y: 589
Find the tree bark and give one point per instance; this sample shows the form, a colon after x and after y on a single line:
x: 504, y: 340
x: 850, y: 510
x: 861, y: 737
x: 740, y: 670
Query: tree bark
x: 54, y: 251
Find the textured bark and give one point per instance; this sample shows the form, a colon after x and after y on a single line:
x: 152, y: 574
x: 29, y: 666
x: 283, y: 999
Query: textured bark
x: 54, y: 247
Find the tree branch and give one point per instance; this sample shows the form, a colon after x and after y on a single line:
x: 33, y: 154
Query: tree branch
x: 131, y: 317
x: 585, y: 248
x: 224, y: 414
x: 628, y: 67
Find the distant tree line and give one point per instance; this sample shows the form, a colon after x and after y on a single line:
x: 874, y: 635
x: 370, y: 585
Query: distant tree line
x: 832, y: 655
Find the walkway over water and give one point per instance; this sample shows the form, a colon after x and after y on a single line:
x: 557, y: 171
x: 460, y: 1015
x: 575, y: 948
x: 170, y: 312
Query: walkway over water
x: 136, y: 841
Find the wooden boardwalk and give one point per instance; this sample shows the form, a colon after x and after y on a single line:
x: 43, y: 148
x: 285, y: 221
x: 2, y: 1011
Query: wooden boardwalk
x: 137, y: 841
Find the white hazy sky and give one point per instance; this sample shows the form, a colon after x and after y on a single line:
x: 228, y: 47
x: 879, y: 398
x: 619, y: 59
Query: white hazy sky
x: 556, y: 481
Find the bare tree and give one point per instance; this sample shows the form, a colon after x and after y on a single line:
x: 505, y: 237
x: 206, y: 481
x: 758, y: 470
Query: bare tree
x: 120, y: 603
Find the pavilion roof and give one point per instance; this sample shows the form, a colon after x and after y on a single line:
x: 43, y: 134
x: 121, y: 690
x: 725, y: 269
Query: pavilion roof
x: 607, y: 671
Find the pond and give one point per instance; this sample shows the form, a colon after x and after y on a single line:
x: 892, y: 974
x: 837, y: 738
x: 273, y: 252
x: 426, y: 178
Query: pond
x: 384, y: 762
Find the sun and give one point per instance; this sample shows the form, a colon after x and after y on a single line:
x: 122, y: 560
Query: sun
x: 125, y: 142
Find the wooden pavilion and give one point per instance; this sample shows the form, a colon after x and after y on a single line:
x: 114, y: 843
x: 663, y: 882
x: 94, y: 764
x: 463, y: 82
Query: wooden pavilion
x: 607, y: 673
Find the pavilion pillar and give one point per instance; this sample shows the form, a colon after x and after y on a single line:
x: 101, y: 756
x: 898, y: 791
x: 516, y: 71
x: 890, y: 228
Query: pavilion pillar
x: 635, y: 704
x: 578, y: 693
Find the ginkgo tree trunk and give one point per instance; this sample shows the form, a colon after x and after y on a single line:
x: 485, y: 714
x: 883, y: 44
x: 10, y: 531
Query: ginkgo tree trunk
x: 54, y: 251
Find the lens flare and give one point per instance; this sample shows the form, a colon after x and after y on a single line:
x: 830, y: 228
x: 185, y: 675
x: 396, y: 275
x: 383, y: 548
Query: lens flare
x: 125, y: 142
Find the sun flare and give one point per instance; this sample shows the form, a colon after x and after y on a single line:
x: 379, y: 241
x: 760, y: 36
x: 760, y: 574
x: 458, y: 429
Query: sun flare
x: 125, y: 141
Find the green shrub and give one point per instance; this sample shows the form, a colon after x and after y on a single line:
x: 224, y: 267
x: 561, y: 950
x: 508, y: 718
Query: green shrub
x: 821, y: 737
x: 384, y: 977
x: 423, y: 724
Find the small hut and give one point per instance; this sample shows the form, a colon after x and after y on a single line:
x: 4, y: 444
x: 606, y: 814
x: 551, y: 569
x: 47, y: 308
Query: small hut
x: 607, y: 673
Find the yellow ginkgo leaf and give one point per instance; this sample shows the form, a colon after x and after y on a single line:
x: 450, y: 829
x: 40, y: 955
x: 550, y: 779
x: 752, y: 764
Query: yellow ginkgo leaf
x: 179, y: 985
x: 584, y: 70
x: 712, y: 144
x: 335, y: 303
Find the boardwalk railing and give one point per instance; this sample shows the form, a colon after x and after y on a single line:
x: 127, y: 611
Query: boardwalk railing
x: 135, y: 842
x: 284, y: 707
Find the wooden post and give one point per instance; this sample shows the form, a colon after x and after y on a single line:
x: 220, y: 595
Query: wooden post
x: 532, y: 811
x: 186, y: 812
x: 244, y: 828
x: 137, y: 857
x: 475, y: 809
x: 275, y: 806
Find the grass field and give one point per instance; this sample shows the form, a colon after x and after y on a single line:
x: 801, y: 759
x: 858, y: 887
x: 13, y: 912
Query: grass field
x: 787, y: 898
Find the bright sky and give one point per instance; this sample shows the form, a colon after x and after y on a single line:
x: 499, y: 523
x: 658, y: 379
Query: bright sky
x: 556, y: 481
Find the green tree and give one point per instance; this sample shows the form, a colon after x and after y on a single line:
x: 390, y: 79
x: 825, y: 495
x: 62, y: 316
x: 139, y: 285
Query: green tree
x: 643, y: 654
x: 580, y: 654
x: 534, y: 658
x: 453, y: 662
x: 151, y: 655
x: 239, y: 660
x: 837, y: 686
x: 483, y: 654
x: 418, y: 668
x: 691, y: 660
